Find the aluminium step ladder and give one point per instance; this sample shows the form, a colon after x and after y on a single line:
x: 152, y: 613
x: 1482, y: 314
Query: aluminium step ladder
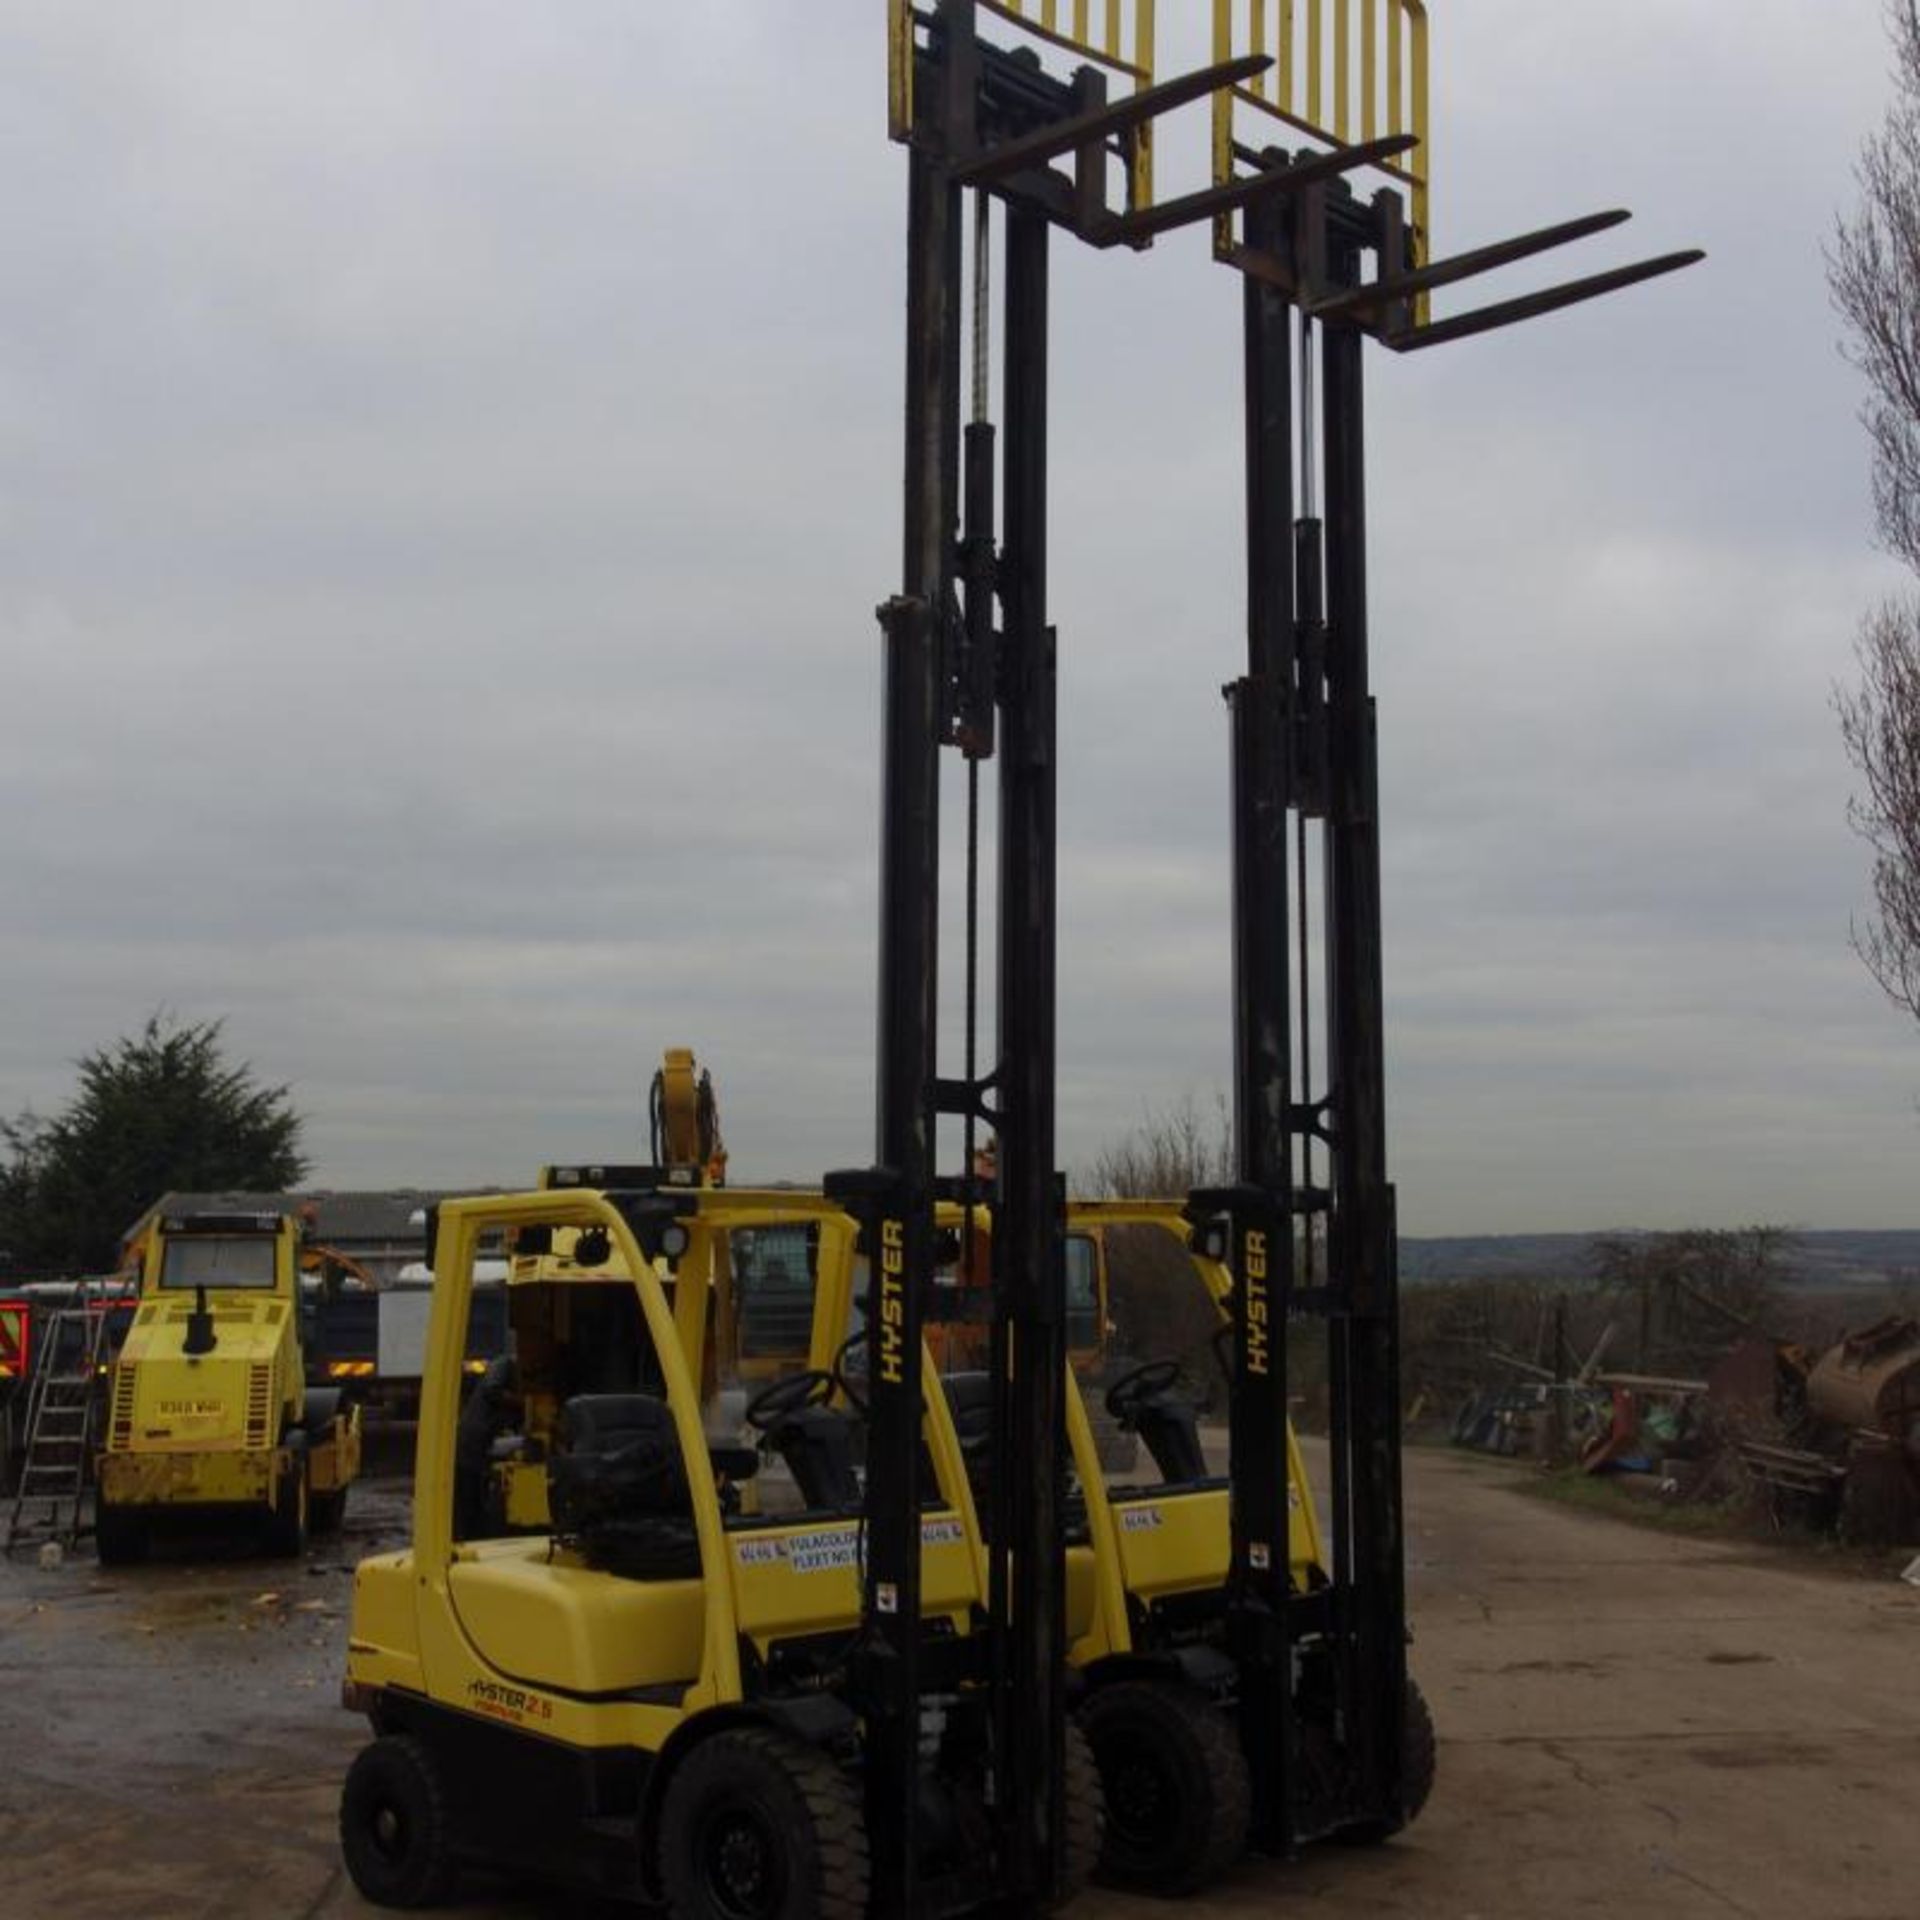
x: 63, y: 1397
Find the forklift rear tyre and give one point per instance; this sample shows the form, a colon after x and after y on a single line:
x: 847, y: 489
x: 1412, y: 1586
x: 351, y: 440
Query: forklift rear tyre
x: 395, y: 1827
x: 1419, y: 1758
x: 120, y: 1539
x: 757, y: 1825
x: 1178, y: 1799
x: 287, y: 1524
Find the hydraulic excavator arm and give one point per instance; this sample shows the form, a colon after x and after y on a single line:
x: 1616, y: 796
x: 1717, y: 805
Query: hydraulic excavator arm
x: 684, y: 1117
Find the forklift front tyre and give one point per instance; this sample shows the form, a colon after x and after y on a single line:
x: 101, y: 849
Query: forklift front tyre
x: 1086, y: 1813
x: 121, y: 1539
x: 395, y: 1827
x: 1178, y: 1797
x: 287, y: 1523
x: 1419, y: 1760
x: 757, y: 1825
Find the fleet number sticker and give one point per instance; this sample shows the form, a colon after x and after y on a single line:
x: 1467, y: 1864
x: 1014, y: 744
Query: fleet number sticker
x: 817, y: 1552
x: 830, y: 1547
x: 1139, y: 1519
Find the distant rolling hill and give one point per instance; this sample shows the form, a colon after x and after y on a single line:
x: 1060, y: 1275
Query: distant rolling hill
x: 1836, y: 1259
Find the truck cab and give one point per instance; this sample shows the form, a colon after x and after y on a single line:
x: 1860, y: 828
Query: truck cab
x: 208, y: 1406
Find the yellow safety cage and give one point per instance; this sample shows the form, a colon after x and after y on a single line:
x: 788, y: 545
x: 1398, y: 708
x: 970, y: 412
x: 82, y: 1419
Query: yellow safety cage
x: 1343, y: 71
x: 1116, y: 36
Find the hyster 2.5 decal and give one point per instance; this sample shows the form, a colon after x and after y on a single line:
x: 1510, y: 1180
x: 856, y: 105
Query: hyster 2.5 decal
x: 507, y: 1703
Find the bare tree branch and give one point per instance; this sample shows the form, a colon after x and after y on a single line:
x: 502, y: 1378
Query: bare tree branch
x: 1873, y: 271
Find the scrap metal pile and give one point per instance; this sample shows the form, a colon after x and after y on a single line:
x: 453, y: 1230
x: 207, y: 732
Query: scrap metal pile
x: 1824, y: 1437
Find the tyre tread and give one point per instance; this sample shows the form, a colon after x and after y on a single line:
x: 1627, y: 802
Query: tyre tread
x: 831, y: 1801
x: 432, y: 1879
x: 1419, y: 1762
x: 1209, y: 1746
x: 1086, y: 1814
x: 1421, y: 1753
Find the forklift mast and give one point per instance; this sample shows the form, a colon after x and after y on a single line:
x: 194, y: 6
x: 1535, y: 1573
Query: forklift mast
x: 1311, y: 1218
x: 970, y: 665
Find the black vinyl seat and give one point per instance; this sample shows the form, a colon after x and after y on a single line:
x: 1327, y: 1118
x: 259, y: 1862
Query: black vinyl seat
x: 817, y: 1445
x: 970, y: 1401
x: 617, y: 1487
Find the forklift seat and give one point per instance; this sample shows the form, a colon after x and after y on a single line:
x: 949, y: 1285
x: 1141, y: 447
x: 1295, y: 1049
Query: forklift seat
x: 970, y: 1401
x: 817, y: 1444
x: 617, y: 1487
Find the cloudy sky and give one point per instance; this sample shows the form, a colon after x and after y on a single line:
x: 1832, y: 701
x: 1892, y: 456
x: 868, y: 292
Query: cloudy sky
x: 449, y: 458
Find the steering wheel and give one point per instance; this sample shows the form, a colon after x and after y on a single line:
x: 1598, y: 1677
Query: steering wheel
x: 855, y: 1398
x: 790, y: 1394
x: 1138, y: 1385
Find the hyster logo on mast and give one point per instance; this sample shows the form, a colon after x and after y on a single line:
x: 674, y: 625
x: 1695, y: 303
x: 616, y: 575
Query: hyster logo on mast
x: 1256, y: 1301
x: 893, y: 1298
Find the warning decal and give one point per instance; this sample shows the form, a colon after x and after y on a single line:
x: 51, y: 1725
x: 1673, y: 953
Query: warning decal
x: 14, y: 1323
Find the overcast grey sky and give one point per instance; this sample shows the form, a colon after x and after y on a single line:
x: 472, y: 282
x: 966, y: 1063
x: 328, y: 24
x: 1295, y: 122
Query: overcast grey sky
x: 449, y: 458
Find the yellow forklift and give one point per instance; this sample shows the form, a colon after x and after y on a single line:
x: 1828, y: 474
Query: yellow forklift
x: 1146, y: 1553
x: 208, y: 1407
x: 1153, y: 1684
x: 1144, y: 1564
x: 1144, y: 1559
x: 1165, y: 1685
x: 659, y: 1692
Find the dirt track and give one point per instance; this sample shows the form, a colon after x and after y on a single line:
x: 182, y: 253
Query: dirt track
x: 1630, y: 1723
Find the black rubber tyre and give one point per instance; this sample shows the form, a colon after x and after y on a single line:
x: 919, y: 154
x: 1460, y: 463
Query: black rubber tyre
x: 757, y: 1825
x: 1178, y: 1798
x: 325, y: 1511
x: 396, y: 1829
x: 1419, y: 1761
x: 121, y: 1539
x: 1086, y: 1812
x: 287, y: 1524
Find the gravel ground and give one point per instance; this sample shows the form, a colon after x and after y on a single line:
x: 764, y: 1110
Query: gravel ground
x: 1630, y: 1722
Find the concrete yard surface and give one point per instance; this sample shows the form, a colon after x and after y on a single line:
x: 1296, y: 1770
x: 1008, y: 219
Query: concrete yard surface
x: 1630, y: 1723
